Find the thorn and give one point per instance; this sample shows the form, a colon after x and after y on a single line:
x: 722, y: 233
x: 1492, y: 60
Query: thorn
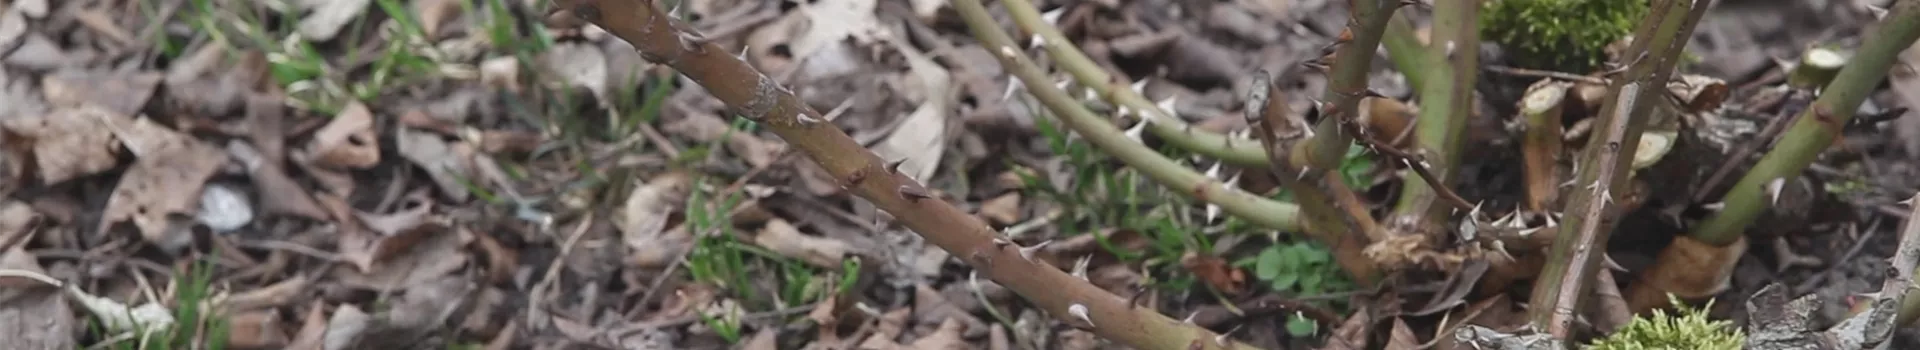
x: 1303, y: 173
x: 1552, y: 221
x: 743, y: 52
x: 913, y: 194
x: 1089, y: 95
x: 1009, y: 52
x: 1063, y: 84
x: 1053, y: 17
x: 1001, y: 242
x: 1879, y: 13
x: 1137, y: 131
x: 1221, y: 339
x: 806, y: 120
x: 1774, y: 187
x: 894, y: 166
x: 1125, y: 111
x: 1166, y: 105
x: 1715, y: 206
x: 1189, y: 319
x: 1213, y: 212
x: 1450, y: 47
x: 1139, y: 87
x: 1214, y: 172
x: 1080, y: 310
x: 1594, y: 185
x: 1232, y: 182
x: 1080, y: 267
x: 1606, y: 197
x: 1012, y: 84
x: 1037, y: 42
x: 1027, y: 252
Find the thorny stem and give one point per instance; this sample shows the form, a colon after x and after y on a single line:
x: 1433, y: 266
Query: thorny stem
x: 1162, y: 123
x: 1816, y: 128
x: 755, y: 96
x: 1332, y: 209
x: 1579, y: 247
x: 1449, y: 72
x: 1067, y: 56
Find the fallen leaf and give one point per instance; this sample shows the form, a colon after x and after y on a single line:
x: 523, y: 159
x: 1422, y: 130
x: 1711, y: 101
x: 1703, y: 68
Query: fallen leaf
x: 932, y: 307
x: 1402, y: 337
x: 329, y: 17
x: 313, y: 329
x: 405, y: 248
x: 435, y: 13
x: 37, y: 317
x: 120, y: 93
x: 784, y: 239
x: 447, y: 162
x: 69, y: 142
x: 1002, y: 210
x: 275, y: 295
x: 765, y: 339
x: 161, y: 191
x: 344, y: 329
x: 348, y: 140
x: 581, y: 65
x: 643, y: 220
x: 279, y: 194
x: 258, y: 329
x: 921, y: 140
x: 947, y: 337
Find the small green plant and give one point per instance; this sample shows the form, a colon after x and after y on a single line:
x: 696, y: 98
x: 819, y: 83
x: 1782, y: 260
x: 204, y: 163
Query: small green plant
x: 1692, y: 329
x: 1560, y: 35
x: 1298, y: 268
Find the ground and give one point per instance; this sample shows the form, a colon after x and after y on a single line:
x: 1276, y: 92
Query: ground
x: 359, y: 174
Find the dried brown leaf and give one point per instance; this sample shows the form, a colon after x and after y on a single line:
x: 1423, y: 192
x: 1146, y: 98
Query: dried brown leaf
x: 348, y: 141
x: 435, y: 13
x: 947, y: 337
x: 765, y: 339
x: 33, y: 318
x: 921, y: 139
x: 279, y: 194
x: 784, y: 239
x: 161, y: 191
x: 345, y: 328
x: 328, y: 17
x: 1002, y: 210
x: 447, y: 162
x: 313, y: 328
x: 275, y: 295
x: 257, y: 329
x: 1402, y: 337
x: 69, y: 142
x: 581, y: 65
x: 121, y: 93
x: 644, y: 218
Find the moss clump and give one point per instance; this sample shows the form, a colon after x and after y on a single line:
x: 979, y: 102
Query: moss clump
x: 1560, y: 35
x: 1688, y: 331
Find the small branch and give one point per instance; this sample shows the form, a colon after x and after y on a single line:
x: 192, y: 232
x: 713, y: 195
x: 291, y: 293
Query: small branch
x: 1605, y: 164
x: 757, y: 97
x: 1816, y: 128
x: 1161, y: 122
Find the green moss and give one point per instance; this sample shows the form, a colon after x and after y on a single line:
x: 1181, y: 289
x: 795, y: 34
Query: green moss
x: 1560, y: 35
x: 1690, y: 330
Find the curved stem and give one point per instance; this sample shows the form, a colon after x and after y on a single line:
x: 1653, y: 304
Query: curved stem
x: 1066, y: 56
